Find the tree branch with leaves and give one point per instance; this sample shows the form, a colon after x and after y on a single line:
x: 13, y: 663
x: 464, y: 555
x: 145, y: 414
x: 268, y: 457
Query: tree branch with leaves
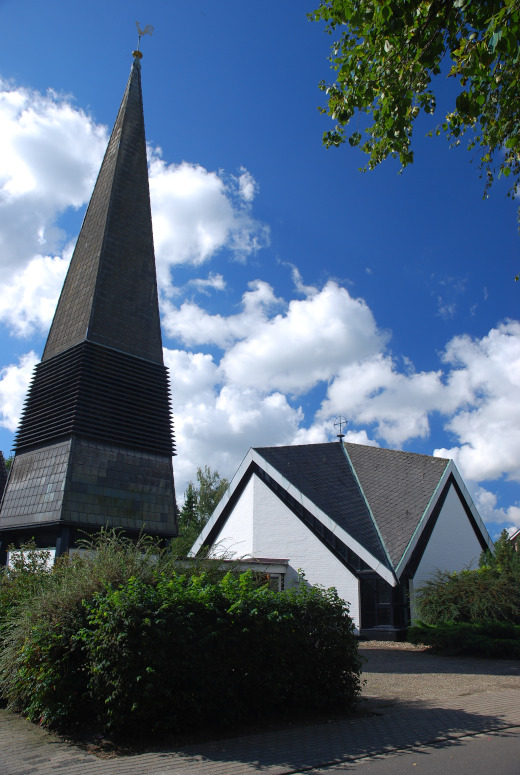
x: 386, y: 57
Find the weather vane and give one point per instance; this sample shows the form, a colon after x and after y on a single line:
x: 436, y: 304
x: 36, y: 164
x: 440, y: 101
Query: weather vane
x: 340, y: 423
x: 148, y: 30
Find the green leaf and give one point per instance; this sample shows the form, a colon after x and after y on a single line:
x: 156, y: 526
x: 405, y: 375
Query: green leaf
x: 385, y: 58
x: 494, y: 40
x: 386, y: 12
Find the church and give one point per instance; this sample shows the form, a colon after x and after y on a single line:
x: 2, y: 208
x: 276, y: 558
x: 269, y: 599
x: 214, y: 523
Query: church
x: 373, y: 523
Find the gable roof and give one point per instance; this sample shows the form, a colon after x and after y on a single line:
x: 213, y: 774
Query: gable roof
x: 380, y: 503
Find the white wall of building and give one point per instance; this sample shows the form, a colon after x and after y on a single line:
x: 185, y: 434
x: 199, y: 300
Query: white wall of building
x: 453, y: 545
x: 278, y: 533
x: 42, y: 557
x: 236, y: 537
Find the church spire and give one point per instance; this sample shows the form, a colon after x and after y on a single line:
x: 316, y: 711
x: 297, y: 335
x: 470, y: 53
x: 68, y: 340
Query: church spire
x: 110, y: 293
x: 94, y: 447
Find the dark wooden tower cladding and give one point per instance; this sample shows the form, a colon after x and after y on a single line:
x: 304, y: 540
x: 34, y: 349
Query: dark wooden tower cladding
x: 94, y: 447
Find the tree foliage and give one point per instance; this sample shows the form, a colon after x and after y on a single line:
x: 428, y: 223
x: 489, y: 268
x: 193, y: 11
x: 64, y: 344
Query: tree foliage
x: 504, y: 558
x: 200, y: 501
x: 386, y: 57
x: 489, y: 594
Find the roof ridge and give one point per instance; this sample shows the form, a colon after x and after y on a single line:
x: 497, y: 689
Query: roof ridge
x: 395, y: 451
x: 376, y: 526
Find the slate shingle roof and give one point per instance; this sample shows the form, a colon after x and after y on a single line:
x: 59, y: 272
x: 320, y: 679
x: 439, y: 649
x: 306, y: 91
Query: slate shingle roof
x: 3, y: 474
x: 321, y: 472
x: 110, y: 292
x: 397, y: 486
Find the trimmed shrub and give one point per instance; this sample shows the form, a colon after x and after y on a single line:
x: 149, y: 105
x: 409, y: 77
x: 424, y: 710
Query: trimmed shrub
x: 484, y: 639
x: 185, y: 653
x: 121, y: 638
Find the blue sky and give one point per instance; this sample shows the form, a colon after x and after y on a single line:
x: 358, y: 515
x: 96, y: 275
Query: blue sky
x: 293, y: 287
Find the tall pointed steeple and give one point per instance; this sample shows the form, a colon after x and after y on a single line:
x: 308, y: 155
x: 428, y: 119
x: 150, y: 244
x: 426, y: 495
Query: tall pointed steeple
x: 110, y: 294
x: 94, y: 444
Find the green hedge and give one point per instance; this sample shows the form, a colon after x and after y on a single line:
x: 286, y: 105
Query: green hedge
x: 163, y: 651
x: 185, y: 653
x: 482, y: 639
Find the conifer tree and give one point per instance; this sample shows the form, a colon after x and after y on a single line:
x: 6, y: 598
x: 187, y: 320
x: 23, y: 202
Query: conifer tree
x: 200, y: 500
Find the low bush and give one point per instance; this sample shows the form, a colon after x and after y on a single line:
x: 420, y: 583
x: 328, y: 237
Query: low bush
x: 482, y: 639
x: 490, y: 593
x: 482, y: 595
x: 122, y: 638
x: 42, y: 669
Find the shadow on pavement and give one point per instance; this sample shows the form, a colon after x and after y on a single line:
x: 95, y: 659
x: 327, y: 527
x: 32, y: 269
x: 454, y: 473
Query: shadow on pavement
x: 301, y: 748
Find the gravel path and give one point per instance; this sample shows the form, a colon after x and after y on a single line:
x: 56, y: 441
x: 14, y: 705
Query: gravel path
x: 399, y: 672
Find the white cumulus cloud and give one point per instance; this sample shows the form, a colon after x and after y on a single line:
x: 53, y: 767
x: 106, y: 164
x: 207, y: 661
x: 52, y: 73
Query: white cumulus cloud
x: 374, y: 392
x: 307, y: 344
x: 192, y: 325
x: 14, y: 381
x: 196, y: 213
x: 487, y: 506
x: 49, y: 157
x: 215, y: 423
x: 28, y: 300
x: 486, y: 376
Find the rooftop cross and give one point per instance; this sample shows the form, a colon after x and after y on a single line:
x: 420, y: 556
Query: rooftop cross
x: 340, y: 423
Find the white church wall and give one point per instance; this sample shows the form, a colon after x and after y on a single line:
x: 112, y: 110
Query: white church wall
x: 453, y: 544
x: 236, y: 537
x: 278, y: 533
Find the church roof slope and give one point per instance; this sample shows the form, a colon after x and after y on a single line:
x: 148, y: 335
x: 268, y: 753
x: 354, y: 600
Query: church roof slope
x: 321, y: 472
x: 3, y: 474
x: 398, y: 487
